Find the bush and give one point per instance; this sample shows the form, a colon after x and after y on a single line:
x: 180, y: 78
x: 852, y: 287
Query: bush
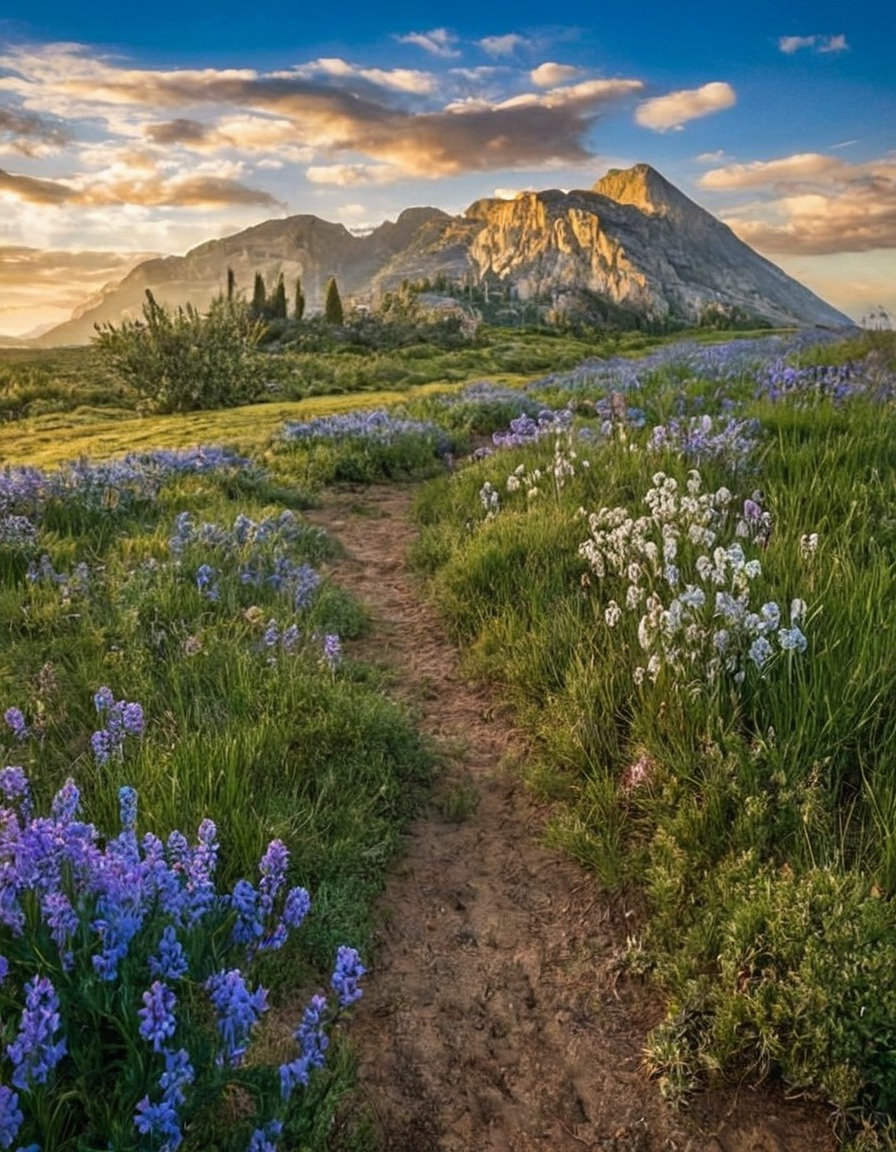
x: 182, y: 360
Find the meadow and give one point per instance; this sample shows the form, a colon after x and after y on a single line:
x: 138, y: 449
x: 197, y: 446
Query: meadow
x: 677, y: 564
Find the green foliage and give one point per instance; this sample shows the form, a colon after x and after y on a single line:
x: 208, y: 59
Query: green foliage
x: 333, y: 313
x: 259, y: 298
x: 182, y: 360
x: 276, y: 309
x: 757, y: 817
x: 299, y: 308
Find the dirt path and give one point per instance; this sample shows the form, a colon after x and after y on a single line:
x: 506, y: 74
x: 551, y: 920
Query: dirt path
x: 495, y: 1016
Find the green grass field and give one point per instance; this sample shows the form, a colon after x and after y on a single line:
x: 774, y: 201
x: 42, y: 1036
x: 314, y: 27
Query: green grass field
x: 677, y: 564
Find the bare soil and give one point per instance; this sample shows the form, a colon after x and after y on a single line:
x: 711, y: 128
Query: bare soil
x: 496, y: 1016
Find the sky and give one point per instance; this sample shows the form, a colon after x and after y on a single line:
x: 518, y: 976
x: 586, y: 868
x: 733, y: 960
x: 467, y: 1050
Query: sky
x: 128, y: 130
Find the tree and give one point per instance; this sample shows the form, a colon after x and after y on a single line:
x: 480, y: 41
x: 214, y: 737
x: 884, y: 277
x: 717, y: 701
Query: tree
x: 259, y: 298
x: 276, y: 309
x: 181, y: 360
x: 231, y: 285
x: 300, y: 299
x: 332, y: 304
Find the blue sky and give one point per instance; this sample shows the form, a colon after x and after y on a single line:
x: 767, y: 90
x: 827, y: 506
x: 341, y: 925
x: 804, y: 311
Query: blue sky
x: 126, y: 131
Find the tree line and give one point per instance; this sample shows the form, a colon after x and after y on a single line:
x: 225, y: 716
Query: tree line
x: 275, y: 307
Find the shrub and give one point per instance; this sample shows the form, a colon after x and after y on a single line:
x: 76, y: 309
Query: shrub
x: 182, y: 360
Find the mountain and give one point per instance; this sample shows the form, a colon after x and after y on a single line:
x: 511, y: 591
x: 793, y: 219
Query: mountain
x: 632, y: 245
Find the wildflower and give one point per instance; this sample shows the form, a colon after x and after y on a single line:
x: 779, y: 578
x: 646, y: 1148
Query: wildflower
x: 612, y: 614
x: 35, y: 1052
x: 313, y: 1043
x: 170, y: 961
x: 797, y: 611
x: 808, y: 545
x: 159, y: 1120
x: 346, y: 974
x: 14, y: 783
x: 157, y: 1020
x: 238, y: 1011
x: 332, y: 651
x: 296, y: 907
x: 11, y: 1117
x: 760, y: 651
x: 16, y: 721
x: 263, y: 1139
x: 177, y: 1075
x: 127, y: 800
x: 792, y: 640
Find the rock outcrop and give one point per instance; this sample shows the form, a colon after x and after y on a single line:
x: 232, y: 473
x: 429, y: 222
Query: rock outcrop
x: 633, y: 242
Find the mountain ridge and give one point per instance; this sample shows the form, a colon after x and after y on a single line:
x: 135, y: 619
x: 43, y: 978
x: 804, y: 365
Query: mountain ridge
x: 633, y: 240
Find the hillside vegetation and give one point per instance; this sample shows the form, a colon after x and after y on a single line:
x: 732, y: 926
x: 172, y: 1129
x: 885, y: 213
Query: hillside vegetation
x: 677, y: 564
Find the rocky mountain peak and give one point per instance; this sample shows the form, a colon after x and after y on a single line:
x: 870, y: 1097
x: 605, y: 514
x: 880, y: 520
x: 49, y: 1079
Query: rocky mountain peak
x: 645, y: 189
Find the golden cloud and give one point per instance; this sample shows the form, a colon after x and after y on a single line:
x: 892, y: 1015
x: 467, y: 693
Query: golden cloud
x: 549, y: 75
x: 35, y: 191
x: 817, y: 204
x: 675, y: 109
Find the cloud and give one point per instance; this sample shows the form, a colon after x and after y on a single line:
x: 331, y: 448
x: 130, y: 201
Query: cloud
x: 439, y: 41
x: 800, y: 167
x: 130, y: 186
x: 675, y: 109
x: 814, y: 204
x: 329, y: 113
x: 503, y: 45
x: 348, y: 175
x: 29, y: 134
x: 397, y: 79
x: 549, y: 75
x: 33, y: 190
x: 823, y: 44
x: 711, y: 157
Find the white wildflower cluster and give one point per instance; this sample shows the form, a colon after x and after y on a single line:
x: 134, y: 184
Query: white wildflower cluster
x: 562, y: 468
x: 809, y: 545
x: 490, y: 500
x: 684, y: 572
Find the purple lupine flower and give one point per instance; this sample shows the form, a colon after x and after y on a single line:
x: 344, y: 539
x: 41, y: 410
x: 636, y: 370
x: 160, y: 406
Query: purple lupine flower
x: 238, y: 1011
x: 265, y: 1139
x: 273, y: 872
x: 157, y: 1019
x: 15, y: 719
x: 62, y: 920
x: 132, y: 719
x: 290, y: 637
x: 66, y: 802
x: 127, y: 807
x: 170, y: 961
x: 35, y: 1052
x: 313, y: 1043
x: 14, y: 783
x: 332, y: 650
x: 271, y: 634
x: 4, y: 968
x: 11, y: 1117
x: 177, y: 1076
x: 200, y: 867
x: 249, y: 924
x: 159, y: 1120
x: 296, y: 907
x: 103, y: 745
x: 346, y: 974
x: 103, y: 699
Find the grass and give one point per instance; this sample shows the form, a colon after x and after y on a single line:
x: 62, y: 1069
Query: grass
x: 755, y: 811
x: 751, y: 803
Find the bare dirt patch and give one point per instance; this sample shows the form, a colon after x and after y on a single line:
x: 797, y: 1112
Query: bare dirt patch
x: 496, y: 1017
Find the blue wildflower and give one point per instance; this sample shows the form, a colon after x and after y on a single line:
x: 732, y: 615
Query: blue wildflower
x: 238, y: 1011
x: 332, y: 651
x: 127, y: 804
x: 264, y: 1139
x: 159, y: 1120
x: 157, y: 1019
x: 346, y: 974
x: 313, y: 1043
x: 170, y: 961
x: 35, y: 1052
x: 16, y: 721
x: 11, y: 1117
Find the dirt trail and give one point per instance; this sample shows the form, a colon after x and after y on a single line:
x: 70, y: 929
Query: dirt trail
x: 495, y: 1018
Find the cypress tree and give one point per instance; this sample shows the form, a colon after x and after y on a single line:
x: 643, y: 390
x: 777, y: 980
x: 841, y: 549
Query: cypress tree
x: 332, y: 304
x: 300, y: 299
x: 259, y: 297
x: 231, y: 284
x: 277, y: 305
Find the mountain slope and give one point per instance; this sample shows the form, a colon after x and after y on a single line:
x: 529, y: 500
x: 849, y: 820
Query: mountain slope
x: 633, y: 240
